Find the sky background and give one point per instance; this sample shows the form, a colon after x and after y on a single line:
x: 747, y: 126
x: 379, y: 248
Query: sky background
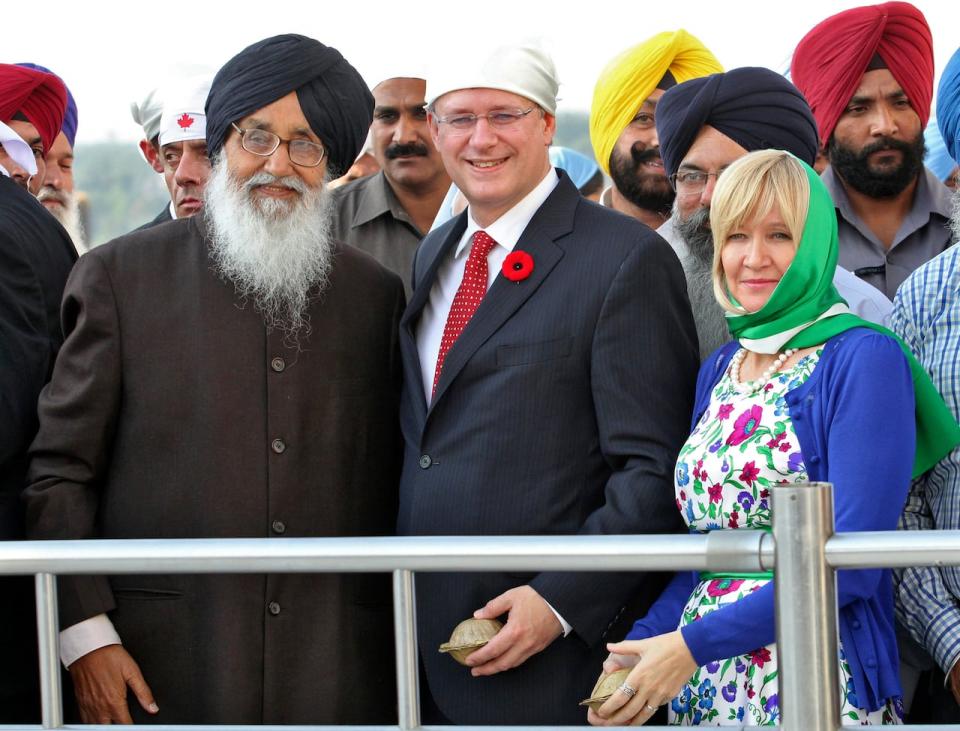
x: 111, y: 53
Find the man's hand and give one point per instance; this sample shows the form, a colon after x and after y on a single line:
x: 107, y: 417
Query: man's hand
x: 100, y: 680
x: 530, y: 627
x: 954, y: 681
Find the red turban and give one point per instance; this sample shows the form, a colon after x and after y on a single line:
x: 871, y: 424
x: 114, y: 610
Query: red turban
x: 832, y: 58
x: 40, y: 97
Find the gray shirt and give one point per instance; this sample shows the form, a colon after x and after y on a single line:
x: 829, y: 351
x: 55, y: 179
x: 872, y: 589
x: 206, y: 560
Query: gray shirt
x: 369, y: 217
x: 924, y: 233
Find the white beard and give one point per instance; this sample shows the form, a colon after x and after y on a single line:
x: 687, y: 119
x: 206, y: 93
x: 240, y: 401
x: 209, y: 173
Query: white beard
x: 277, y: 252
x: 68, y: 215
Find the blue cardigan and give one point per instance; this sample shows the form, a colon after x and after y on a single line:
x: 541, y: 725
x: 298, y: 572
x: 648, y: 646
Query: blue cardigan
x: 854, y: 419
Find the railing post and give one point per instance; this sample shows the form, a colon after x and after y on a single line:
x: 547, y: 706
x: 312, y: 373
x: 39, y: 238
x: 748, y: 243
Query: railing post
x: 48, y: 628
x: 806, y: 608
x: 405, y: 630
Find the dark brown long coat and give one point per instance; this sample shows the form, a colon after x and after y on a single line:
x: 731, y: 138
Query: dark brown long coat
x: 174, y: 413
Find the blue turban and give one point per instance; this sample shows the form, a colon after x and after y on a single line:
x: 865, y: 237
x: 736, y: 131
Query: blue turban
x: 938, y: 160
x: 948, y: 106
x: 755, y: 107
x: 69, y: 127
x: 579, y: 167
x: 333, y: 96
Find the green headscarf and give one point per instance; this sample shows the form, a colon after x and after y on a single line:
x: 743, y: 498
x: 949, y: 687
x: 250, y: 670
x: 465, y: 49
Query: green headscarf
x: 805, y: 310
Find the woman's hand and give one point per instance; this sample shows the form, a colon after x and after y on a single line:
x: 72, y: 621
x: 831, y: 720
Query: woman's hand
x: 663, y: 665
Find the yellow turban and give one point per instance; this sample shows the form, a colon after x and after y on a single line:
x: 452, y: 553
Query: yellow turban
x: 632, y: 76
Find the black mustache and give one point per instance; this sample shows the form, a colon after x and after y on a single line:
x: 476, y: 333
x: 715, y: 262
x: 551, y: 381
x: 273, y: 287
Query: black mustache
x: 409, y: 149
x: 884, y: 143
x: 641, y: 154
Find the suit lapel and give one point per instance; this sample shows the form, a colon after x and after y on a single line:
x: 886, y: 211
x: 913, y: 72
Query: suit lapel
x: 434, y: 250
x: 552, y: 220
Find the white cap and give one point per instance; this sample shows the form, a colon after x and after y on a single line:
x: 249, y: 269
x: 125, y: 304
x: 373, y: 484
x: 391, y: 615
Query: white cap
x: 524, y: 69
x: 147, y: 113
x: 183, y: 117
x: 17, y: 148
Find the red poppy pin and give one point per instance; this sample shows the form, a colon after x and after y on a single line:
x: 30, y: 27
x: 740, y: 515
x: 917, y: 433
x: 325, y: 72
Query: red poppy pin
x: 517, y: 266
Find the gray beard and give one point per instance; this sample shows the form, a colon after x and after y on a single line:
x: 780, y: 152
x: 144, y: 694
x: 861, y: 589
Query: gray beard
x: 68, y: 215
x: 696, y: 234
x: 712, y: 330
x: 276, y: 252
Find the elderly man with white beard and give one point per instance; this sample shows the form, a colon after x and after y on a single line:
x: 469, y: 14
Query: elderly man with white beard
x: 232, y: 374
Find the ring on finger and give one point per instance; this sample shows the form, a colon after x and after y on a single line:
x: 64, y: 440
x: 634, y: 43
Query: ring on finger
x: 628, y: 690
x: 652, y: 709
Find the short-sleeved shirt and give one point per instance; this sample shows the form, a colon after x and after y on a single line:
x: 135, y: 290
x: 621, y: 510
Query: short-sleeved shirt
x: 924, y: 233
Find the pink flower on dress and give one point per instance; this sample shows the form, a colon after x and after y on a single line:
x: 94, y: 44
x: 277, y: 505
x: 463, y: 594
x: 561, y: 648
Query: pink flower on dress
x: 716, y: 493
x: 725, y: 411
x: 785, y: 447
x: 749, y: 473
x: 775, y: 442
x: 734, y: 517
x: 745, y: 425
x: 722, y: 587
x: 759, y: 657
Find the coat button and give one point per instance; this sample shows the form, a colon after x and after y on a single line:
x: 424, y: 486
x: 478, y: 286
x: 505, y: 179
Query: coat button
x: 855, y: 624
x: 274, y: 608
x: 425, y: 461
x: 278, y: 364
x: 279, y: 527
x: 814, y: 459
x: 278, y: 446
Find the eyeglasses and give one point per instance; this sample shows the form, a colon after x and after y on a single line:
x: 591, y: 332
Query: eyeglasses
x: 500, y: 118
x: 263, y: 143
x: 691, y: 182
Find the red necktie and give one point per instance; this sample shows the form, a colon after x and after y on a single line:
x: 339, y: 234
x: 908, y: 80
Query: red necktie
x: 472, y: 288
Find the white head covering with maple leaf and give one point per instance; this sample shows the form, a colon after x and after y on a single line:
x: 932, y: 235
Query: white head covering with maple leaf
x: 183, y: 117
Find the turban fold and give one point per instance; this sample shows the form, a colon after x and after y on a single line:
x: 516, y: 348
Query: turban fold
x: 183, y: 118
x: 755, y: 107
x: 147, y: 112
x: 69, y: 127
x: 579, y: 167
x: 948, y: 106
x: 39, y: 96
x: 937, y: 159
x: 830, y: 60
x: 333, y: 96
x: 632, y: 76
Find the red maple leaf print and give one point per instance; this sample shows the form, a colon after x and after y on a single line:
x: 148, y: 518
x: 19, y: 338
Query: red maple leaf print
x: 185, y: 121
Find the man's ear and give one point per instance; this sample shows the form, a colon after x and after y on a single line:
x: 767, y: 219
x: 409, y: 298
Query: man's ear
x: 151, y: 154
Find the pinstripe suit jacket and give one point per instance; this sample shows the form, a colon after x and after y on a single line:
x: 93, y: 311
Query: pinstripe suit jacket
x: 560, y: 410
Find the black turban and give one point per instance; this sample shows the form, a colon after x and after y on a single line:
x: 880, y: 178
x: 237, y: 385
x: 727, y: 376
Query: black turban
x: 333, y: 96
x: 755, y: 107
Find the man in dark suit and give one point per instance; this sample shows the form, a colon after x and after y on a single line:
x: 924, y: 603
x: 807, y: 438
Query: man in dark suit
x: 549, y: 360
x: 232, y: 374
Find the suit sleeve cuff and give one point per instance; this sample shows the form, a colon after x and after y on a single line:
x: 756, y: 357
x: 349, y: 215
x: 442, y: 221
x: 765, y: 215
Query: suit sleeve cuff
x: 84, y: 637
x: 567, y: 628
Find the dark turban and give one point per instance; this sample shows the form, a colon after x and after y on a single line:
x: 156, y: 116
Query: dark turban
x: 38, y: 96
x: 333, y: 96
x: 69, y: 127
x: 948, y: 106
x: 832, y: 58
x: 755, y: 107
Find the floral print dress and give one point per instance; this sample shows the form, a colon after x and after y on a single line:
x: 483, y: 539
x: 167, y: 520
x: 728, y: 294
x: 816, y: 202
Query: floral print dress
x: 743, y: 445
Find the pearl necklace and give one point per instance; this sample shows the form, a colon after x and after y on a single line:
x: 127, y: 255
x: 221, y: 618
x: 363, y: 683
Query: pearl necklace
x: 756, y: 385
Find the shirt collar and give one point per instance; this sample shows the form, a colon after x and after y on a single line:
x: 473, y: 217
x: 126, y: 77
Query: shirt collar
x: 377, y: 199
x: 931, y: 196
x: 507, y: 229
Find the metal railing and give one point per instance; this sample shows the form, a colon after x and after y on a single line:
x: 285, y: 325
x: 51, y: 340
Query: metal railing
x: 802, y: 547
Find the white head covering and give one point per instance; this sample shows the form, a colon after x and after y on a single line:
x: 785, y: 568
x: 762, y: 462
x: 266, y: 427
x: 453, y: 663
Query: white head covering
x: 15, y: 146
x: 523, y: 69
x: 183, y: 117
x: 147, y: 113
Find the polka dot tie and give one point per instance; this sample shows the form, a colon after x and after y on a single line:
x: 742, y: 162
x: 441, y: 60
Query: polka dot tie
x: 472, y: 288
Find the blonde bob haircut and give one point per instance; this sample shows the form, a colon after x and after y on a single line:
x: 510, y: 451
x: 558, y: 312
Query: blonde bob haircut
x: 747, y: 191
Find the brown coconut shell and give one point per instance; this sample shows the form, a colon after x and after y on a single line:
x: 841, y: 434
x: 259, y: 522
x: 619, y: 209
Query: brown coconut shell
x: 469, y: 636
x: 606, y: 686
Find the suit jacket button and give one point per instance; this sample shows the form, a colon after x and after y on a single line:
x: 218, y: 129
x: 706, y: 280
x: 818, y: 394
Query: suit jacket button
x: 274, y: 608
x: 279, y: 527
x: 278, y: 446
x: 278, y: 364
x: 425, y: 461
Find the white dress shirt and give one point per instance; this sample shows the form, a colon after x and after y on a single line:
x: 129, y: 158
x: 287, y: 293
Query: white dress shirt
x: 506, y: 231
